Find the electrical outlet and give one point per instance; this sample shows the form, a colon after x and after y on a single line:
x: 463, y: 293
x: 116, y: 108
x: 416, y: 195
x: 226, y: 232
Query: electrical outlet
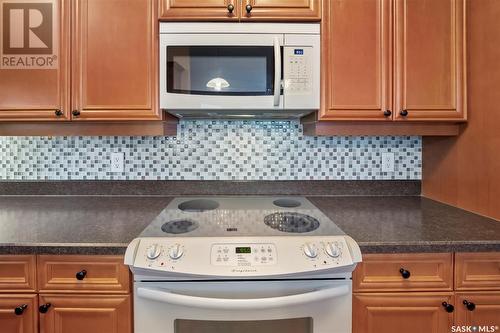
x: 117, y: 162
x: 387, y: 162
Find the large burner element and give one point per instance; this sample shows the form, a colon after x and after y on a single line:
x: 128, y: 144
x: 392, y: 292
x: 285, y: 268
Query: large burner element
x: 286, y: 203
x: 179, y: 226
x: 291, y: 222
x: 198, y: 205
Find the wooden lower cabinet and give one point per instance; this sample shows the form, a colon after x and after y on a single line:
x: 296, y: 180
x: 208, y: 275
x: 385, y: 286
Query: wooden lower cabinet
x: 86, y: 313
x: 22, y: 320
x: 402, y: 312
x: 478, y: 309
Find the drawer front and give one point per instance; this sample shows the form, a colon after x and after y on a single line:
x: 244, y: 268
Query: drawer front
x: 402, y: 272
x: 17, y: 273
x: 83, y: 274
x: 477, y: 271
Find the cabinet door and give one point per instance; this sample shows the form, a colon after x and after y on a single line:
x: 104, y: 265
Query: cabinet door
x: 478, y: 309
x: 114, y: 57
x: 401, y: 312
x: 70, y: 313
x: 356, y: 60
x: 199, y: 10
x: 34, y: 66
x: 18, y: 313
x: 281, y: 10
x: 430, y: 60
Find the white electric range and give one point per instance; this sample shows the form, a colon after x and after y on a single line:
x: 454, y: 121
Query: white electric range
x: 242, y: 264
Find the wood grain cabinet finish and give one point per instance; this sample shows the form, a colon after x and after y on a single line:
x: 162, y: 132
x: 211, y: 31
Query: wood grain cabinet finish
x: 477, y: 271
x: 36, y: 94
x: 114, y: 60
x: 427, y: 272
x: 86, y: 313
x: 58, y: 273
x: 430, y: 80
x: 478, y: 309
x: 356, y: 53
x: 199, y: 10
x: 401, y: 312
x: 280, y: 10
x: 26, y: 318
x: 17, y: 273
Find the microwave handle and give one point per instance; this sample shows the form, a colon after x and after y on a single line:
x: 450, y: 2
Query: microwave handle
x: 242, y: 304
x: 277, y: 71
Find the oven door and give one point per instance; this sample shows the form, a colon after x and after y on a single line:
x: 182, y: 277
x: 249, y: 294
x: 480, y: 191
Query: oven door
x: 221, y: 71
x: 305, y: 306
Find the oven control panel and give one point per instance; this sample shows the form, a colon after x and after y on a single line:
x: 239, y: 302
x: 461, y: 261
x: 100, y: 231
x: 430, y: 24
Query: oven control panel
x: 243, y: 255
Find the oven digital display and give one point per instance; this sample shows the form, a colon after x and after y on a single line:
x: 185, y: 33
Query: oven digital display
x: 243, y: 250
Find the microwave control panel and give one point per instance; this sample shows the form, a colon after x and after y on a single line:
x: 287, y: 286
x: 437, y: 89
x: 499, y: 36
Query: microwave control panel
x: 298, y: 73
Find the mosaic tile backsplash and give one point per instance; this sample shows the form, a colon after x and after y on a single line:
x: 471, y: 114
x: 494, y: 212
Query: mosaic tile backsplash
x: 212, y: 150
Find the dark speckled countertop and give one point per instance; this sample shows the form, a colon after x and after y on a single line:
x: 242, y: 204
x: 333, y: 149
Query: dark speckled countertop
x: 106, y: 224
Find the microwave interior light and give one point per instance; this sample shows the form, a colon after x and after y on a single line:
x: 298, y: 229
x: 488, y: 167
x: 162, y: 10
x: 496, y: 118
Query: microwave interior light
x: 218, y: 83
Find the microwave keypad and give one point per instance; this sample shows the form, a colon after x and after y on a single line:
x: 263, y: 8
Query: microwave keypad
x: 298, y: 71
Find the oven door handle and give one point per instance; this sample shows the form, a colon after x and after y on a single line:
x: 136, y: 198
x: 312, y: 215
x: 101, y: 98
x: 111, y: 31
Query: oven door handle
x: 277, y: 71
x: 242, y: 304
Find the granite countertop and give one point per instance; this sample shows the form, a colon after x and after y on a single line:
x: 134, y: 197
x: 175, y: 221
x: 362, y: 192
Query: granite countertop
x: 106, y: 224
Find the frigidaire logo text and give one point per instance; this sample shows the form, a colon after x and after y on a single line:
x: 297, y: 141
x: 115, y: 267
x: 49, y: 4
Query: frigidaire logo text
x: 29, y: 34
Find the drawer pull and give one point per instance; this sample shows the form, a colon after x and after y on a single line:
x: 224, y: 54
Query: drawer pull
x: 20, y: 309
x: 81, y: 275
x: 404, y: 273
x: 448, y: 307
x: 44, y: 308
x: 469, y: 305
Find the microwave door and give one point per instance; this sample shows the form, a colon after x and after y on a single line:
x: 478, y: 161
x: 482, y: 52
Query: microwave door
x: 221, y: 71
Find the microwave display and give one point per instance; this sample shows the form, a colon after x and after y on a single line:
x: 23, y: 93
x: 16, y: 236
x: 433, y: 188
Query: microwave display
x: 220, y: 70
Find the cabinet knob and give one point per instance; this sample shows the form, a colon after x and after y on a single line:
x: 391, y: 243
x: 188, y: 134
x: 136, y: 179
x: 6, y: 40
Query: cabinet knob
x: 448, y: 307
x: 20, y: 309
x: 248, y: 8
x: 404, y: 273
x: 230, y: 8
x: 404, y: 113
x: 44, y: 307
x: 81, y: 275
x: 469, y: 305
x: 387, y: 113
x: 58, y: 112
x: 75, y: 113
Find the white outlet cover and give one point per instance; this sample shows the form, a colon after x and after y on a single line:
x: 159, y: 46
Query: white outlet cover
x: 117, y: 162
x: 387, y: 162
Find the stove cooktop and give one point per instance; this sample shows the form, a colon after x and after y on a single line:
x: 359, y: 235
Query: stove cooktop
x: 223, y: 216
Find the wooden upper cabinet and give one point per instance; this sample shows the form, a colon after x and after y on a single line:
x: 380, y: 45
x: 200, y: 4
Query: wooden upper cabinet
x: 280, y: 10
x: 34, y: 72
x: 356, y: 60
x: 199, y: 10
x: 430, y: 60
x: 18, y: 313
x: 114, y: 60
x: 401, y: 312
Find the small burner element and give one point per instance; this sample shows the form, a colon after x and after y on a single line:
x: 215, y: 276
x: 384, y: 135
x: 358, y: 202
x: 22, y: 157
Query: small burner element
x: 198, y: 205
x: 179, y: 226
x: 291, y: 222
x: 286, y: 203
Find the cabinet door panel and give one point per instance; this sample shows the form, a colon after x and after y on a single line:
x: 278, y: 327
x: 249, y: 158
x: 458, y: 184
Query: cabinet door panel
x: 70, y: 313
x: 356, y: 63
x: 281, y: 10
x: 198, y: 10
x: 25, y: 322
x: 401, y: 312
x: 485, y: 313
x: 430, y: 59
x: 30, y: 92
x: 115, y: 60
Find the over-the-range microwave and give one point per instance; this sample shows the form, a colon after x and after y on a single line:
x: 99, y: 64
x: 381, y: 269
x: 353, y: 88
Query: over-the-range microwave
x: 239, y: 70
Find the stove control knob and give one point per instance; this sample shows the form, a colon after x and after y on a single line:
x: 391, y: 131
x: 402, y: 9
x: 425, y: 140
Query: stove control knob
x: 153, y: 251
x: 332, y: 250
x: 310, y: 250
x: 176, y: 252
